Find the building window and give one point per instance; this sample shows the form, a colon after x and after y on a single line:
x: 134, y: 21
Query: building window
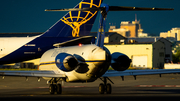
x: 161, y: 54
x: 167, y: 55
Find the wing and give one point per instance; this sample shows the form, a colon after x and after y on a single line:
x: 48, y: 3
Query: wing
x: 112, y: 73
x: 32, y: 73
x: 82, y: 40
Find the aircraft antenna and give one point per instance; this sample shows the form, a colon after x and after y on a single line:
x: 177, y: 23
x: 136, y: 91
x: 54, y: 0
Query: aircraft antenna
x: 135, y: 17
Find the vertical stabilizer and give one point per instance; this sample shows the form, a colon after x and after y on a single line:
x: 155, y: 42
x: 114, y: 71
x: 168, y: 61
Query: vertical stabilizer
x: 75, y: 23
x: 102, y: 26
x: 101, y: 32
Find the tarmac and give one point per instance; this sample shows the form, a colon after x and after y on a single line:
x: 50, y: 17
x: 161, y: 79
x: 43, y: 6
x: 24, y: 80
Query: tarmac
x: 147, y: 87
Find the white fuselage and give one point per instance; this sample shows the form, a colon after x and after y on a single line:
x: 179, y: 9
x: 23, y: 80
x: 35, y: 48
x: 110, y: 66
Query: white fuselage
x: 10, y: 44
x: 96, y: 59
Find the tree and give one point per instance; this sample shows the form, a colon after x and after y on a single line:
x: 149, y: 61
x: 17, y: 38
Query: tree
x: 176, y: 57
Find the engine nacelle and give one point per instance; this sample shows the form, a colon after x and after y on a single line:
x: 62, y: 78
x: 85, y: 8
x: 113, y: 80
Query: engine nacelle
x: 66, y: 62
x: 120, y: 62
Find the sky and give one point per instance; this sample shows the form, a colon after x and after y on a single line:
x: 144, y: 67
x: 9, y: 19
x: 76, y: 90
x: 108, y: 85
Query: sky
x: 29, y: 15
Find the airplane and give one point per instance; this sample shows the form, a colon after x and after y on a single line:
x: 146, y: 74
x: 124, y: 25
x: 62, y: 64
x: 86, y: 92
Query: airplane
x: 86, y: 62
x: 18, y: 49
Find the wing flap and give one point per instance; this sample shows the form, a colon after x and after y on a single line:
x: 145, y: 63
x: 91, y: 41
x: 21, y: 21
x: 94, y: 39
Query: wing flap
x: 32, y: 73
x: 112, y: 73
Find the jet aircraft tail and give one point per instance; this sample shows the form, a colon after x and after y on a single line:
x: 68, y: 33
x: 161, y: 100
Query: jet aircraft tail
x: 75, y: 23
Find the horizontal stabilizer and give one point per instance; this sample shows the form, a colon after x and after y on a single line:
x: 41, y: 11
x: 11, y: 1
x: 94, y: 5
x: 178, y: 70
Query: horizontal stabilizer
x: 75, y: 9
x: 80, y: 40
x: 121, y: 8
x: 111, y: 8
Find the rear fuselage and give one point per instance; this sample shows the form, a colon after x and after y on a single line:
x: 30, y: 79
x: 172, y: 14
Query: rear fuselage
x: 93, y: 62
x: 18, y: 49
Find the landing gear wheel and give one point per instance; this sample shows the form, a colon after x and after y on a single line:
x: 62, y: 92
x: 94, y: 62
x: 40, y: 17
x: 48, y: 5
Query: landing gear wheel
x: 51, y: 89
x: 105, y: 87
x: 108, y: 88
x: 59, y: 88
x: 101, y: 88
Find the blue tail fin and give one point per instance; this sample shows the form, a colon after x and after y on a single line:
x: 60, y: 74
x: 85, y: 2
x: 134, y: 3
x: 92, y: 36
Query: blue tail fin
x: 102, y: 25
x: 75, y: 23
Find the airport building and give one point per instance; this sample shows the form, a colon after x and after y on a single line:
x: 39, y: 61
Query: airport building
x: 129, y: 29
x: 150, y: 40
x: 142, y: 55
x: 112, y: 38
x: 174, y: 33
x: 122, y: 31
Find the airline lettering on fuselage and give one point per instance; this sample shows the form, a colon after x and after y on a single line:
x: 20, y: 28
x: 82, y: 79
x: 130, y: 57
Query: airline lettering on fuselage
x: 30, y: 45
x: 75, y: 20
x: 56, y: 52
x: 29, y: 52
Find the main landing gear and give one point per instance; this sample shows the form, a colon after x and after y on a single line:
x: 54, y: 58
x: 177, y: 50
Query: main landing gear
x: 54, y: 87
x: 105, y: 87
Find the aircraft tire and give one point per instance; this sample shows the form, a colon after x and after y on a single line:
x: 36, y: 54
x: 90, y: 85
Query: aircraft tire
x: 59, y: 88
x: 101, y: 88
x: 108, y: 88
x: 51, y: 89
